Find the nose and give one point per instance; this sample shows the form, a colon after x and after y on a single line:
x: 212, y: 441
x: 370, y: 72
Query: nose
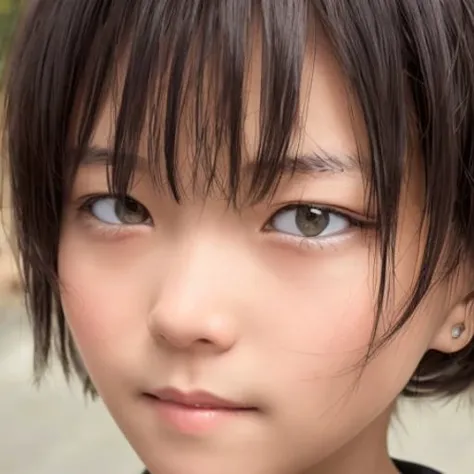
x: 194, y: 308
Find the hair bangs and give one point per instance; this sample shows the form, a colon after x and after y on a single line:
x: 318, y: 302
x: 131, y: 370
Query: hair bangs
x: 177, y: 69
x: 182, y: 72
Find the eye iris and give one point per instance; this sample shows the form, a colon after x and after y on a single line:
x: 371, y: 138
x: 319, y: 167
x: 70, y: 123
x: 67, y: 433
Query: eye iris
x: 311, y: 221
x: 130, y: 211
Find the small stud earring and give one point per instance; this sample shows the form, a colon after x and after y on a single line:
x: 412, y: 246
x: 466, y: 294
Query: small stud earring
x: 458, y: 330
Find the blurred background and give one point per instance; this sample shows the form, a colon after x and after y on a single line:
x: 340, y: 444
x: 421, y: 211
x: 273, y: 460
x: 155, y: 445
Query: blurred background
x: 9, y: 12
x: 53, y: 430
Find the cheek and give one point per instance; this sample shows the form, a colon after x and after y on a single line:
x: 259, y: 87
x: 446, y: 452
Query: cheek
x: 324, y: 306
x: 102, y: 295
x: 320, y: 328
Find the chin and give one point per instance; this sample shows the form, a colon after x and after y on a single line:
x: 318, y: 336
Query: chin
x: 206, y: 465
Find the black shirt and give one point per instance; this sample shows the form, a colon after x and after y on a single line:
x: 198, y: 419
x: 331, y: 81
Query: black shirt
x: 410, y: 468
x: 404, y: 468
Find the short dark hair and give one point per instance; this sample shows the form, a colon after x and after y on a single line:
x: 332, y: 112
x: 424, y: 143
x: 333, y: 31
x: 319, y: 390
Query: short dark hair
x: 409, y: 64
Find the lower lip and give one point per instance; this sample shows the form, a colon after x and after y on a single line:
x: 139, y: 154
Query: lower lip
x: 194, y: 420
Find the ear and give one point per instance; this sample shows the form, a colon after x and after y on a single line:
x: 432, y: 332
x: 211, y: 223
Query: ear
x: 457, y: 331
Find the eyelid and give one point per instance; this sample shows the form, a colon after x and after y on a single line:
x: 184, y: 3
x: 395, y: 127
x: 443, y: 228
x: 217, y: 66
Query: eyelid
x: 357, y: 223
x: 355, y: 219
x: 86, y: 202
x: 88, y: 199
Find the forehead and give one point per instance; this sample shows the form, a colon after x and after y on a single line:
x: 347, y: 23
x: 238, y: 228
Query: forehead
x: 325, y: 122
x: 196, y: 116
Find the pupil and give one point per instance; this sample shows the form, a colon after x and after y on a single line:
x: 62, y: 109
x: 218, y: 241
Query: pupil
x: 311, y: 221
x: 131, y: 206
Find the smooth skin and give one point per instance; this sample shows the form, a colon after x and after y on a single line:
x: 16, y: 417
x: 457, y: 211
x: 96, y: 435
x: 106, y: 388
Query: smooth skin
x: 249, y: 307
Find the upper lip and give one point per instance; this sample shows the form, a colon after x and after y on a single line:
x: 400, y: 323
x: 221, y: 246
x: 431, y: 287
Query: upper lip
x: 196, y: 399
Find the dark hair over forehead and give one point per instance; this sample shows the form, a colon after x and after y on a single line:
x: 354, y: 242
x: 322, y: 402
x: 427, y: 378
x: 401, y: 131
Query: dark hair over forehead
x: 408, y: 64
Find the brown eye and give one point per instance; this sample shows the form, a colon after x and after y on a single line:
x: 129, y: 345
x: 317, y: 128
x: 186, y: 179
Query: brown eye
x: 311, y: 221
x: 308, y: 221
x: 113, y: 211
x: 131, y: 212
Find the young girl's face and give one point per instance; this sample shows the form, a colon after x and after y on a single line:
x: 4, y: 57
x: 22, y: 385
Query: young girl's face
x: 254, y: 320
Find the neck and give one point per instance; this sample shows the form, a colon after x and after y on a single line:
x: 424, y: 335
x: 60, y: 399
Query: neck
x: 365, y: 454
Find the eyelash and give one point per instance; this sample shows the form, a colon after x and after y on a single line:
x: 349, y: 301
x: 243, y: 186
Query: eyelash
x: 116, y: 230
x: 359, y: 223
x: 106, y: 229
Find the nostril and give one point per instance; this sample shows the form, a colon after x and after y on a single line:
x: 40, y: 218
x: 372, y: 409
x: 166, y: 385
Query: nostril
x: 183, y: 328
x: 204, y: 341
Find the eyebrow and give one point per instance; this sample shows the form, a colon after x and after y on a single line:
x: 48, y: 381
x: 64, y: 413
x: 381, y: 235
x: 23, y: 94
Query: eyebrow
x: 303, y: 164
x: 313, y: 163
